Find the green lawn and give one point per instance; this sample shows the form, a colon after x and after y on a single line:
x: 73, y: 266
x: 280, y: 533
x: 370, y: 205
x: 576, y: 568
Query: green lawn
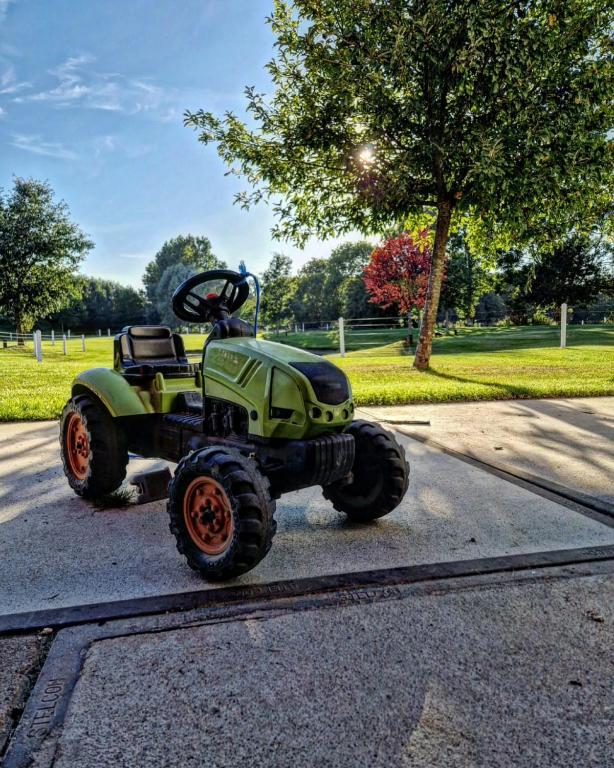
x: 478, y: 364
x: 329, y: 340
x: 488, y: 364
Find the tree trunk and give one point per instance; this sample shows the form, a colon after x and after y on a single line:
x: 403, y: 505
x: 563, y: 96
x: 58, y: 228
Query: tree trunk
x: 427, y: 328
x: 21, y: 333
x: 410, y: 330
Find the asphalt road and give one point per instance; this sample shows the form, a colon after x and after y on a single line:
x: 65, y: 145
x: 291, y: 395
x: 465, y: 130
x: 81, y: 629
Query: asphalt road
x: 57, y: 550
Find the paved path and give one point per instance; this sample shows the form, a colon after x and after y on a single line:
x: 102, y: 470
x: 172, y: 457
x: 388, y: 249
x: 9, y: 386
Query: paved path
x: 57, y: 550
x: 568, y: 441
x: 504, y: 673
x: 496, y: 670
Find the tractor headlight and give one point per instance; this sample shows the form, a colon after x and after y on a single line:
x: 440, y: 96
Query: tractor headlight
x: 329, y: 383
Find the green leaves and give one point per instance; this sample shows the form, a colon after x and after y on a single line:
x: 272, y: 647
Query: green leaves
x: 502, y: 108
x: 40, y: 250
x: 190, y: 250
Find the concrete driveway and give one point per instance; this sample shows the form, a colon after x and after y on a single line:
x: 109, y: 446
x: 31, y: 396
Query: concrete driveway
x: 416, y: 667
x: 57, y: 550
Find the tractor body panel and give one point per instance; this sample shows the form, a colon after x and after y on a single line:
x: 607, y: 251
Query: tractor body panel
x: 124, y: 399
x: 280, y: 399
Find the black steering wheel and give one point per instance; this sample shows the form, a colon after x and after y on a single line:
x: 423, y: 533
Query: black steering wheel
x: 197, y: 302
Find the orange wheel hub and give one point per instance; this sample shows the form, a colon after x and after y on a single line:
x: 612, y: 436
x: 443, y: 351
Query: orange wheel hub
x: 208, y: 515
x: 77, y: 446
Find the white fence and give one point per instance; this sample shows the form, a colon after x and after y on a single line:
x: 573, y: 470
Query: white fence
x: 360, y: 332
x: 65, y: 343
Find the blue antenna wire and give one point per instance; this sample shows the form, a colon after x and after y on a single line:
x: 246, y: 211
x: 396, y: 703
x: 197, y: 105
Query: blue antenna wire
x: 243, y: 271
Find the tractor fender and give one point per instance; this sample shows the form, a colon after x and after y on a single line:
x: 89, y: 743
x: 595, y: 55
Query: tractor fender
x: 114, y: 392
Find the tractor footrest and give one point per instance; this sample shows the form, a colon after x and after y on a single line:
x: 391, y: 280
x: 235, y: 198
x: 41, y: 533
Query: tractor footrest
x: 151, y: 485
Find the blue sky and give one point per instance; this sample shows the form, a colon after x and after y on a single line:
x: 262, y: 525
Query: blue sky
x: 92, y: 94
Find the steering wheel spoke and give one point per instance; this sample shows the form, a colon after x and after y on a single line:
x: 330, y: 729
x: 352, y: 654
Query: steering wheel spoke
x: 194, y: 300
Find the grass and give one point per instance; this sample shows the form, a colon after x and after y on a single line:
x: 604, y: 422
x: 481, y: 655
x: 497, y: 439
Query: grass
x: 30, y: 390
x: 488, y: 364
x: 478, y: 364
x: 329, y: 340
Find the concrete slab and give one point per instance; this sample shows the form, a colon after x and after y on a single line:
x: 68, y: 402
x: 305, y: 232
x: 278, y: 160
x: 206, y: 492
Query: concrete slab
x: 20, y: 658
x: 568, y: 441
x: 495, y: 675
x: 57, y: 550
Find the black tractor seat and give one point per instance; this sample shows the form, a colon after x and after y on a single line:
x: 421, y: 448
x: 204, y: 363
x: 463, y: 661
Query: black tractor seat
x: 141, y: 351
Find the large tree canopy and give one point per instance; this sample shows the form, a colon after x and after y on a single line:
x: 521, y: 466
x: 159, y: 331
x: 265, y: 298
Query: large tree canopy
x: 191, y: 250
x: 40, y: 250
x: 500, y: 108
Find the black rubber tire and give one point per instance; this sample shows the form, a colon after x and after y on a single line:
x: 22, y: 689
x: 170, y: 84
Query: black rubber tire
x: 252, y: 510
x: 108, y: 453
x: 381, y: 475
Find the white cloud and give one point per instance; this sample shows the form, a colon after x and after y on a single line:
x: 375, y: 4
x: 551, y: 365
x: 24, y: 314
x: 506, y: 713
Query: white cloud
x: 9, y: 82
x: 37, y: 146
x: 2, y: 113
x: 79, y: 85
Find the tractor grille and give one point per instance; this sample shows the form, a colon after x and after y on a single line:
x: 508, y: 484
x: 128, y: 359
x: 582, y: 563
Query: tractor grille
x: 332, y: 457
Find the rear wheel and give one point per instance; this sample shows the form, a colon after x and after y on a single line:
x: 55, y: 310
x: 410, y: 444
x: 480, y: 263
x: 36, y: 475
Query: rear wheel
x: 221, y: 513
x: 380, y: 475
x: 93, y: 451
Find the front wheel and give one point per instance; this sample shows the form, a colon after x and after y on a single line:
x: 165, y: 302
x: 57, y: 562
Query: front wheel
x: 380, y: 475
x: 221, y: 513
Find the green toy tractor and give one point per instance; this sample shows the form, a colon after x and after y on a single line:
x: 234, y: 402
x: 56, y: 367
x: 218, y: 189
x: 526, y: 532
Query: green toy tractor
x: 254, y: 420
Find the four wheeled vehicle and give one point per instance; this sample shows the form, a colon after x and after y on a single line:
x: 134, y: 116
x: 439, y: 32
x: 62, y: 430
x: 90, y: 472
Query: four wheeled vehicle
x: 253, y: 420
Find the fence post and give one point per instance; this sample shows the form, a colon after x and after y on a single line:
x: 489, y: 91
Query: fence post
x: 53, y: 338
x: 68, y: 333
x: 341, y: 338
x: 39, y: 346
x: 99, y: 332
x: 64, y: 347
x: 563, y: 326
x: 83, y: 342
x: 303, y: 327
x: 108, y: 331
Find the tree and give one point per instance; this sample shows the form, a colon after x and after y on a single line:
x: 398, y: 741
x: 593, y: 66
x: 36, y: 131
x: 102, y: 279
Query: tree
x: 277, y: 291
x: 40, y: 250
x: 575, y: 272
x: 346, y: 261
x: 496, y: 108
x: 100, y: 304
x: 192, y: 250
x: 170, y: 280
x: 129, y: 306
x: 354, y: 299
x: 468, y: 277
x: 398, y: 274
x: 309, y: 303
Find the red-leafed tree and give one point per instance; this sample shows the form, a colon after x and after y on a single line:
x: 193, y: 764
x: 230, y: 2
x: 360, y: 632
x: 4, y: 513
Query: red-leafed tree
x: 398, y: 272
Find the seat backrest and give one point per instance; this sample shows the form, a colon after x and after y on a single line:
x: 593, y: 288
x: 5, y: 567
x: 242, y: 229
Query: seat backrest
x: 139, y: 343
